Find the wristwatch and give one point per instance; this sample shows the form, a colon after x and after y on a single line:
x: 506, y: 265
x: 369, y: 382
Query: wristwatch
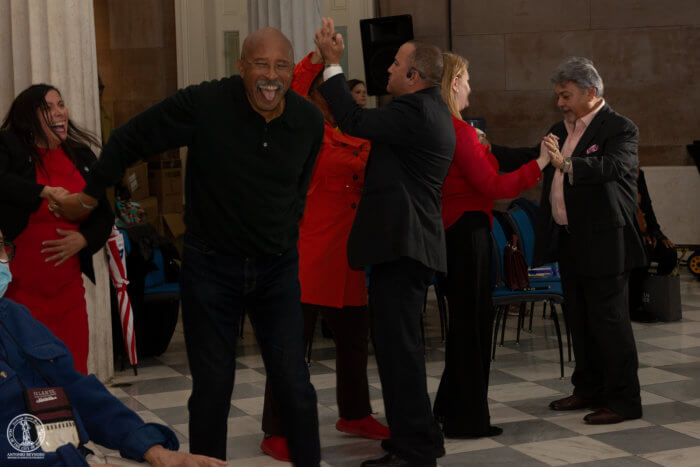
x: 567, y: 165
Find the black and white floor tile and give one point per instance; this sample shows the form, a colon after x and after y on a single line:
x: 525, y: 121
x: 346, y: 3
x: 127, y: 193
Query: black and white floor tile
x: 525, y: 377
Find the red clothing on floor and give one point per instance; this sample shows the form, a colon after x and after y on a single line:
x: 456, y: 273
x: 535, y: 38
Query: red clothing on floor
x: 53, y: 294
x: 473, y: 181
x: 331, y: 203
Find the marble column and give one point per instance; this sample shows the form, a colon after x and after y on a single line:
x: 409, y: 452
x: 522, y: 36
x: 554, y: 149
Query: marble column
x: 297, y: 19
x: 53, y: 41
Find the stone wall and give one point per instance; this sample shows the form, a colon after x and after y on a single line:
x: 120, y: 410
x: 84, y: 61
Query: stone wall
x: 645, y: 50
x: 136, y: 54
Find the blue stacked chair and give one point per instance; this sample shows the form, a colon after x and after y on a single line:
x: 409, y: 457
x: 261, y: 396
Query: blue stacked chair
x: 543, y: 291
x: 154, y: 323
x: 522, y: 221
x: 523, y: 224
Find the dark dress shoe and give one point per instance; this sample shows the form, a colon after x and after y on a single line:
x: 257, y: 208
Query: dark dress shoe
x: 603, y: 416
x: 570, y: 403
x: 391, y: 460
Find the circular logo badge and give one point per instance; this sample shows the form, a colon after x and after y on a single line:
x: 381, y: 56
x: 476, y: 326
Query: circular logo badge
x: 25, y: 433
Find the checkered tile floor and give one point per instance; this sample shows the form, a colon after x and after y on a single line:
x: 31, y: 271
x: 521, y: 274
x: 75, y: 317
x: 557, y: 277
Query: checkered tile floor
x: 524, y: 379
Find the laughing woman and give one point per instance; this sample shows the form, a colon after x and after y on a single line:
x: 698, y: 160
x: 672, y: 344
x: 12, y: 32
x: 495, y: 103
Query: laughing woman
x: 43, y: 152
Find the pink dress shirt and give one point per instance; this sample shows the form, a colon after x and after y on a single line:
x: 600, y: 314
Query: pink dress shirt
x: 556, y: 195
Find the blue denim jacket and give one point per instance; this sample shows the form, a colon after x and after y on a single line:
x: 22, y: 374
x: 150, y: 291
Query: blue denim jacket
x: 99, y: 415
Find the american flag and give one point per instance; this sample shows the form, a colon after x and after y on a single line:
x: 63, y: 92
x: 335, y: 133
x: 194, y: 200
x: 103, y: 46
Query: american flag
x: 117, y: 269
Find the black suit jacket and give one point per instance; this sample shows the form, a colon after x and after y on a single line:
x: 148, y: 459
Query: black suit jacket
x: 413, y: 143
x: 601, y: 204
x: 19, y: 198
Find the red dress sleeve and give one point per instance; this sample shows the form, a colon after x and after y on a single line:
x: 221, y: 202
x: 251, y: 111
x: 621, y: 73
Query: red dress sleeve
x: 475, y: 162
x: 304, y: 74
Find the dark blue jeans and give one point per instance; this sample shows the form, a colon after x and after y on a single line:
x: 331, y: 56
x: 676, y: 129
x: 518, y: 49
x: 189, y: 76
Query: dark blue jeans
x: 215, y: 290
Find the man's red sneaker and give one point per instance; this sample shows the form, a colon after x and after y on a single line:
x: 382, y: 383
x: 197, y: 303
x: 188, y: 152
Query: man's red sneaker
x: 367, y: 427
x: 276, y: 446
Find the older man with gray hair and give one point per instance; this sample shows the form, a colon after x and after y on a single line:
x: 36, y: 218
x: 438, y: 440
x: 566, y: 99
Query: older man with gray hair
x: 587, y: 223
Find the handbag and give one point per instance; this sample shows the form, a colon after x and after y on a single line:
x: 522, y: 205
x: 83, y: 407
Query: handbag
x: 515, y: 266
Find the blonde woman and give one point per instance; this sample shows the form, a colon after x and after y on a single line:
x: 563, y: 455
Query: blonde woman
x: 471, y: 186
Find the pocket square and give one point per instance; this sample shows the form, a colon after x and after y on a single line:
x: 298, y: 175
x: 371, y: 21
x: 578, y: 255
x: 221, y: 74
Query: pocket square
x: 593, y: 148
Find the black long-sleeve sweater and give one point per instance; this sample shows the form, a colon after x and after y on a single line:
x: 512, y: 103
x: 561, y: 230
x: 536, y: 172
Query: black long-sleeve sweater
x: 246, y: 179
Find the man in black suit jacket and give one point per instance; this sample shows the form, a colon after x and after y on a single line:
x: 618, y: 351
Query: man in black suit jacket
x: 398, y: 229
x: 587, y: 221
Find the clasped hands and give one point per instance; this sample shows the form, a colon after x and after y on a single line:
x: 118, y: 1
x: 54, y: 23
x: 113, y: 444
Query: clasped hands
x: 63, y: 203
x: 550, y: 147
x: 329, y: 43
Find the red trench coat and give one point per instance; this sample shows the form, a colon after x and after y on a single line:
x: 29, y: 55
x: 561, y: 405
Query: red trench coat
x: 331, y: 203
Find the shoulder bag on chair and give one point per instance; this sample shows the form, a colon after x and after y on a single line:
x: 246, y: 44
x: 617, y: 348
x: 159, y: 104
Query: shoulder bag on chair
x: 515, y: 266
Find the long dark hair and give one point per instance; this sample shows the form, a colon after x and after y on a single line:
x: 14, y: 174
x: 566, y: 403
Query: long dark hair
x: 23, y: 120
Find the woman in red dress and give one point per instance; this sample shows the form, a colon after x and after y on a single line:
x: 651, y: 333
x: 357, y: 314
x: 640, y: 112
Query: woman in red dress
x: 42, y: 152
x: 329, y: 287
x: 470, y: 188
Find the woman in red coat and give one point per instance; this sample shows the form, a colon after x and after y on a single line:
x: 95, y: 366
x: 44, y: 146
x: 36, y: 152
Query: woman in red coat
x: 43, y: 152
x: 328, y: 286
x: 470, y: 188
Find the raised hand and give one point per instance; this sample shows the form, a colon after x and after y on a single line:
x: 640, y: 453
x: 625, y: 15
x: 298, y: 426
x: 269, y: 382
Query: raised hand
x: 316, y: 57
x: 551, y: 142
x: 329, y: 42
x: 544, y: 159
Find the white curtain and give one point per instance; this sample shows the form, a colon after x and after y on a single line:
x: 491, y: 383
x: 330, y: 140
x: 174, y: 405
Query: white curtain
x: 297, y: 19
x: 53, y: 42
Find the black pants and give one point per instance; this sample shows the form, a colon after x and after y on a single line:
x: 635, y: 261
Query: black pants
x: 461, y: 401
x: 215, y: 289
x: 396, y: 293
x: 667, y: 258
x: 350, y: 328
x: 606, y: 355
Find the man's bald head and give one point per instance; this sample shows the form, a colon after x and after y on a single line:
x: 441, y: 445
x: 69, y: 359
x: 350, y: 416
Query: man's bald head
x: 266, y: 65
x: 263, y: 38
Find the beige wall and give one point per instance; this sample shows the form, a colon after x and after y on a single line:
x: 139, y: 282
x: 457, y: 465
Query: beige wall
x: 136, y: 54
x: 645, y: 50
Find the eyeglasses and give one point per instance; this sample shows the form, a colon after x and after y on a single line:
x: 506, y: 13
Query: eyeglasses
x: 280, y: 67
x: 9, y: 251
